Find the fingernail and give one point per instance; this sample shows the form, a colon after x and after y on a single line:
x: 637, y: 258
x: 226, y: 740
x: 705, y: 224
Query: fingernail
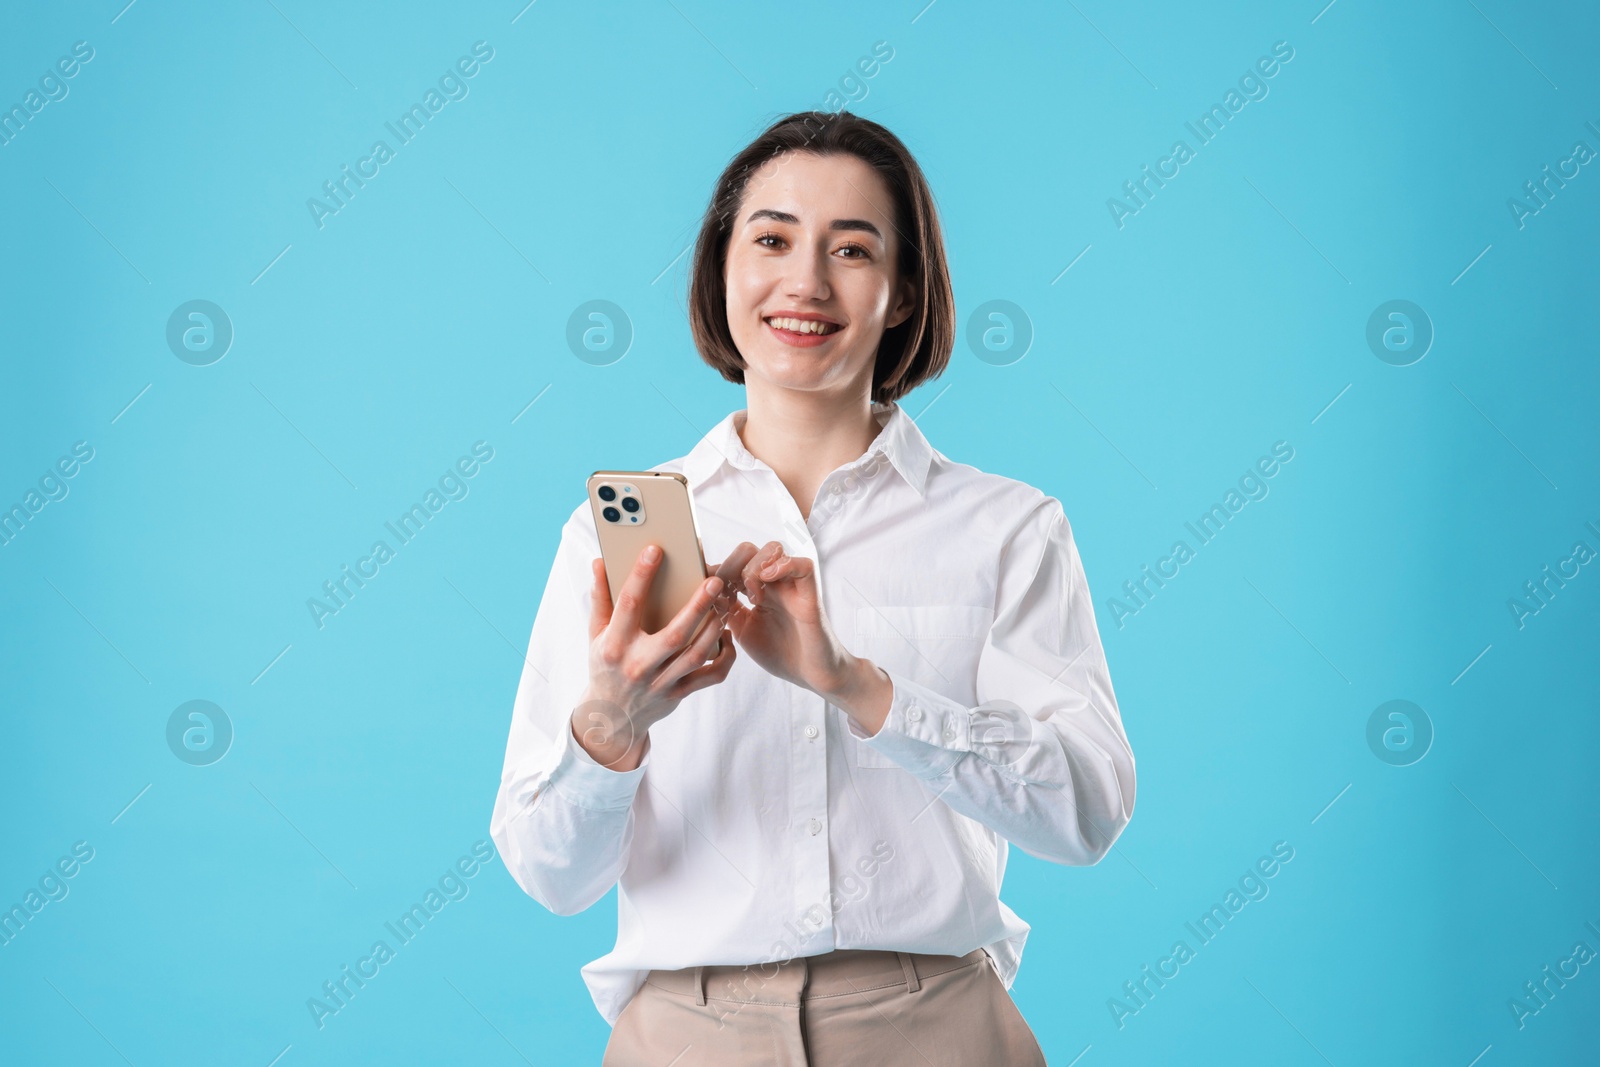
x: 652, y: 552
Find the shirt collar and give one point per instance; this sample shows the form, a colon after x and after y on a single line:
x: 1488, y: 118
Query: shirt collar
x: 899, y: 440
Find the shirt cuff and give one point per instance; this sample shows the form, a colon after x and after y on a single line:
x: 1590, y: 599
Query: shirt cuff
x: 925, y: 732
x: 588, y: 783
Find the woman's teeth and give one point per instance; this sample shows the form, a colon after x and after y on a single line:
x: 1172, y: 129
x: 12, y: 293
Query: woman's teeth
x: 802, y: 325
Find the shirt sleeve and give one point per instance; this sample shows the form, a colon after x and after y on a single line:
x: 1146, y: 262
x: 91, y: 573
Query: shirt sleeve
x: 1042, y: 759
x: 562, y: 821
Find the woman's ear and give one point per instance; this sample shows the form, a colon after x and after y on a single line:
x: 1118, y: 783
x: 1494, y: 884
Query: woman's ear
x: 905, y: 304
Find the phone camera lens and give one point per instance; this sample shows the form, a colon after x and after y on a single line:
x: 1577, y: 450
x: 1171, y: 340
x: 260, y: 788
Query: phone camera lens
x: 607, y: 493
x: 630, y: 503
x: 612, y: 515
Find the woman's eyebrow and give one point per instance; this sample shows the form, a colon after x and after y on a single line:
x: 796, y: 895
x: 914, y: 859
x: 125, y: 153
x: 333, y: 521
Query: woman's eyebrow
x: 838, y: 224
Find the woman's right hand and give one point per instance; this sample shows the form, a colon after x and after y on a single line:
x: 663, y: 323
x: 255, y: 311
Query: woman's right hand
x: 637, y: 679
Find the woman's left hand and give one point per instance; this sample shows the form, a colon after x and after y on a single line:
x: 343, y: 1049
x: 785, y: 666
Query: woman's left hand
x: 785, y: 629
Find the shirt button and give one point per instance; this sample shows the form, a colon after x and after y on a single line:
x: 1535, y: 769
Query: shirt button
x: 915, y: 714
x: 814, y: 826
x: 811, y: 731
x: 949, y: 733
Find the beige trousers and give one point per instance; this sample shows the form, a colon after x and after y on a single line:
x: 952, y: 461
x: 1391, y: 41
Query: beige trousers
x: 846, y: 1008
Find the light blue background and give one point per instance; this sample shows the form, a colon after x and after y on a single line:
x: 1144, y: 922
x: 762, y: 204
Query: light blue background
x: 1225, y: 316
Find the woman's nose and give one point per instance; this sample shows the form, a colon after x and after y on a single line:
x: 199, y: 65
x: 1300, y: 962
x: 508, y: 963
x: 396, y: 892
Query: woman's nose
x: 807, y: 276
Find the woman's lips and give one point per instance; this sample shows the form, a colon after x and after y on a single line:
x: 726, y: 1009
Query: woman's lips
x: 800, y: 340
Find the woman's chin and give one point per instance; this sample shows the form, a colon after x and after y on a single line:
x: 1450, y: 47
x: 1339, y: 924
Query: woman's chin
x: 798, y: 381
x: 796, y: 371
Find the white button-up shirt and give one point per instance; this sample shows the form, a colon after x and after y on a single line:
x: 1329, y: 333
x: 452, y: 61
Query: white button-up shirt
x: 762, y: 823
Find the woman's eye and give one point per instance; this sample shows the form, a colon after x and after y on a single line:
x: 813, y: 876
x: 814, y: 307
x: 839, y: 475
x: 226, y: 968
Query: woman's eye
x: 764, y: 238
x: 862, y: 253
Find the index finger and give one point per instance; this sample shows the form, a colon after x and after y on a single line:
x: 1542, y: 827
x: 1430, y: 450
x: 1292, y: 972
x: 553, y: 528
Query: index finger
x: 685, y: 625
x: 600, y: 597
x: 629, y: 611
x: 731, y: 570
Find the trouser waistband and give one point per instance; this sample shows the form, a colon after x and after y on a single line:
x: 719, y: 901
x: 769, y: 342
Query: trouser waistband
x: 840, y: 972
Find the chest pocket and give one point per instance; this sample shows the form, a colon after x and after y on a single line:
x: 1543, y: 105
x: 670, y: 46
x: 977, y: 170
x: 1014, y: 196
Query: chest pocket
x: 936, y: 645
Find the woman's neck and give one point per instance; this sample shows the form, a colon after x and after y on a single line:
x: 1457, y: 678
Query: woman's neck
x: 804, y: 437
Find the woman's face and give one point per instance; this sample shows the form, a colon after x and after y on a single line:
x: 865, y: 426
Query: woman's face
x: 814, y: 243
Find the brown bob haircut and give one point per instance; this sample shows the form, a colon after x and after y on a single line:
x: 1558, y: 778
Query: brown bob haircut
x: 910, y: 353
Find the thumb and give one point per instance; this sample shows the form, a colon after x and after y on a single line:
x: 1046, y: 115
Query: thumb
x: 800, y: 568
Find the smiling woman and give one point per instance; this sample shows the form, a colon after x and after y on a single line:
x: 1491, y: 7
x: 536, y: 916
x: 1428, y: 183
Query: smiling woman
x: 807, y: 160
x: 915, y: 668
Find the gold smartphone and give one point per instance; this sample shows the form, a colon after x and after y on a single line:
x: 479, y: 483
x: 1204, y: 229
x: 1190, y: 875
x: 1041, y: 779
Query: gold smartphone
x: 637, y: 508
